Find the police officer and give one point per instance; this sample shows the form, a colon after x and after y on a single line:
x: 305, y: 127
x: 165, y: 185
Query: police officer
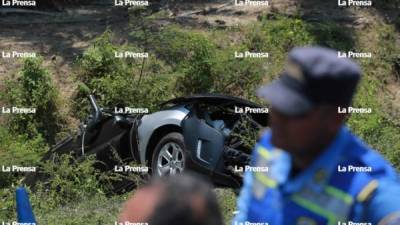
x: 318, y: 172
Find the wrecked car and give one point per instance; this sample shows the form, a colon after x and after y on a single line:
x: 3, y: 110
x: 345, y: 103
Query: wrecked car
x: 210, y: 134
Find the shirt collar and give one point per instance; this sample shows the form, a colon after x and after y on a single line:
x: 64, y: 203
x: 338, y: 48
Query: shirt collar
x: 323, y: 166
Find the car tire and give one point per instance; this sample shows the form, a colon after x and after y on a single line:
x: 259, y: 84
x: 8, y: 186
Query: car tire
x: 169, y: 156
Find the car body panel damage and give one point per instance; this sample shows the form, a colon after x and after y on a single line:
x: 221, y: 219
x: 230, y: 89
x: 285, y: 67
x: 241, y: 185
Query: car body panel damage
x: 203, y: 133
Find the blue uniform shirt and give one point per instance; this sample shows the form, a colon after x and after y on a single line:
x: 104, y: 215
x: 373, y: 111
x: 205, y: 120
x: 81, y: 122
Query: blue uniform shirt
x: 269, y: 201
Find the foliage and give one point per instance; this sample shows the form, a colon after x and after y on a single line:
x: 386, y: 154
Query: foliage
x: 201, y: 65
x: 25, y: 137
x: 177, y: 46
x: 246, y: 131
x: 119, y: 81
x: 379, y: 129
x: 34, y: 89
x: 20, y: 151
x: 238, y: 76
x: 70, y: 184
x: 69, y: 179
x: 97, y: 209
x: 278, y: 35
x: 198, y: 70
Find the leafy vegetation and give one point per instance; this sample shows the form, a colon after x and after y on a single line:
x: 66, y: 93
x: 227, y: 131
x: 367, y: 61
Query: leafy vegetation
x: 379, y: 129
x: 73, y: 185
x: 33, y: 88
x: 116, y: 81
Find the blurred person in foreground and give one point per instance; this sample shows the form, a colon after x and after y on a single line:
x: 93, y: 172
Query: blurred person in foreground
x: 319, y: 173
x: 176, y: 200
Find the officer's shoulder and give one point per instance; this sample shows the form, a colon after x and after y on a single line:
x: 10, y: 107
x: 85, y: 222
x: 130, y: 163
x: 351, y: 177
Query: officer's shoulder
x: 364, y: 155
x: 264, y: 137
x: 384, y: 206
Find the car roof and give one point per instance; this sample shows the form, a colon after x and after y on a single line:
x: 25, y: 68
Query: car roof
x: 211, y: 99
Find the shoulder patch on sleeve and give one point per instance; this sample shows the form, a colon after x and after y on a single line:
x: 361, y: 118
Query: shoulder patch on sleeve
x: 367, y: 191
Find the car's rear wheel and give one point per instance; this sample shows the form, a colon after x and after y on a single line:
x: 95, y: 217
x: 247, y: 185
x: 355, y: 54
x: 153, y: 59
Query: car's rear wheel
x: 169, y: 156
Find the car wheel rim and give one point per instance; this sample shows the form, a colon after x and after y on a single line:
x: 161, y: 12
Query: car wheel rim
x: 170, y: 160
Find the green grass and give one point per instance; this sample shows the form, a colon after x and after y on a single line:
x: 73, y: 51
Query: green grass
x: 379, y: 129
x: 88, y: 210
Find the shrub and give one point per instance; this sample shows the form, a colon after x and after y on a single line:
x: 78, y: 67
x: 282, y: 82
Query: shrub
x: 279, y: 35
x: 238, y: 76
x: 69, y: 179
x: 117, y: 81
x: 99, y: 60
x: 34, y: 89
x: 202, y: 66
x: 177, y: 46
x: 71, y: 185
x: 20, y: 151
x: 7, y: 208
x: 197, y: 65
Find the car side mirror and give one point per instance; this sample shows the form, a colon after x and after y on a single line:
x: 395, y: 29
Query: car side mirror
x: 123, y: 122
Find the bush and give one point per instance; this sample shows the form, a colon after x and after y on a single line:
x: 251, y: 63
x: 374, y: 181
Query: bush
x: 20, y: 151
x: 279, y: 35
x: 177, y: 46
x: 120, y: 82
x: 69, y: 180
x: 7, y: 208
x: 189, y: 53
x: 197, y: 62
x: 238, y: 76
x: 99, y: 60
x: 71, y: 185
x: 34, y: 89
x: 201, y: 66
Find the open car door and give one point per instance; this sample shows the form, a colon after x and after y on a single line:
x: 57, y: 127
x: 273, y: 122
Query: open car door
x: 204, y: 143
